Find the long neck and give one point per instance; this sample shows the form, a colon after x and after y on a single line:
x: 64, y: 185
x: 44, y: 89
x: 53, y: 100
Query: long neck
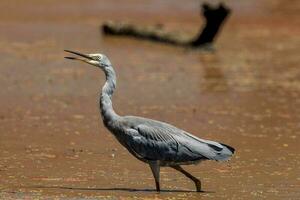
x: 107, y: 112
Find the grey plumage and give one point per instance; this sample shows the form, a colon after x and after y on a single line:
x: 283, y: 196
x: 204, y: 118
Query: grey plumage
x: 154, y: 142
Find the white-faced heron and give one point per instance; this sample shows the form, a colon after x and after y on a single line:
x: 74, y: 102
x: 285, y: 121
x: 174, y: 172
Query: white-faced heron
x: 157, y: 143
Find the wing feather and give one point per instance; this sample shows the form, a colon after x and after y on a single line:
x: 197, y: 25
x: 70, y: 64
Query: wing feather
x: 157, y: 143
x: 154, y: 140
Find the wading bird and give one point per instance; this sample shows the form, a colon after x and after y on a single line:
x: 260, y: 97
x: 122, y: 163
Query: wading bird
x: 157, y: 143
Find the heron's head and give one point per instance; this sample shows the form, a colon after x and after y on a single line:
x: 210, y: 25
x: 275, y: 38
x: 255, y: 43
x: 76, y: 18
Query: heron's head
x: 96, y: 59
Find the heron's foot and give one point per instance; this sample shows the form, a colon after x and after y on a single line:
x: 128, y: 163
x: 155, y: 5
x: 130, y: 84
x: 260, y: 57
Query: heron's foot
x: 198, y: 185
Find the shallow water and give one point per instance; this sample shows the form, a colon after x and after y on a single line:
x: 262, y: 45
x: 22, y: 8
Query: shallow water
x: 245, y: 94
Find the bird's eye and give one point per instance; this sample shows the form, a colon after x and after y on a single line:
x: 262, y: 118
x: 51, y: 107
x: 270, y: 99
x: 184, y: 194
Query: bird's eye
x: 97, y: 57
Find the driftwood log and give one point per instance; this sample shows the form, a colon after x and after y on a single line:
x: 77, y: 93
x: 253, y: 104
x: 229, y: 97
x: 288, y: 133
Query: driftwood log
x: 214, y: 18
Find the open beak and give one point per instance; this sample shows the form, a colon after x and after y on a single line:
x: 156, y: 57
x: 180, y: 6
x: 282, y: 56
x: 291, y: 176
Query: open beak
x: 84, y: 57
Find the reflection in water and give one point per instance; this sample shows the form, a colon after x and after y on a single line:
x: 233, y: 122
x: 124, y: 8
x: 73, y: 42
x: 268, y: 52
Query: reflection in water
x: 214, y: 79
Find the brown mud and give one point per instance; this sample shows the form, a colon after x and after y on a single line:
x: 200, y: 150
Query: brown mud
x: 245, y: 94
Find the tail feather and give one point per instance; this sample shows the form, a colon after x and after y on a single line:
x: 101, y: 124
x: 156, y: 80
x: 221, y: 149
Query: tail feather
x: 229, y: 147
x: 225, y: 153
x: 209, y: 149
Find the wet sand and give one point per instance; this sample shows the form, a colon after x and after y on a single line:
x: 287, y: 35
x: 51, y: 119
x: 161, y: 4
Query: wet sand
x: 245, y: 94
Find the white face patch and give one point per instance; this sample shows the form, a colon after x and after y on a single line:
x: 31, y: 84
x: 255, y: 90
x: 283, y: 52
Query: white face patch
x: 96, y: 56
x: 99, y: 60
x: 93, y: 62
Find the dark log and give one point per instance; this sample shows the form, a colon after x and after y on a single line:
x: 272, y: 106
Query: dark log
x: 154, y: 33
x: 214, y: 19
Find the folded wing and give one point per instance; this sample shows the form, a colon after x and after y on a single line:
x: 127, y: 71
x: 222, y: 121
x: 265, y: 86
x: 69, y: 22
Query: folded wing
x: 160, y: 141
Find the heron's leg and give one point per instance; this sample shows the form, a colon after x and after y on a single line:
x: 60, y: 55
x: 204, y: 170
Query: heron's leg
x: 196, y: 181
x: 155, y: 171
